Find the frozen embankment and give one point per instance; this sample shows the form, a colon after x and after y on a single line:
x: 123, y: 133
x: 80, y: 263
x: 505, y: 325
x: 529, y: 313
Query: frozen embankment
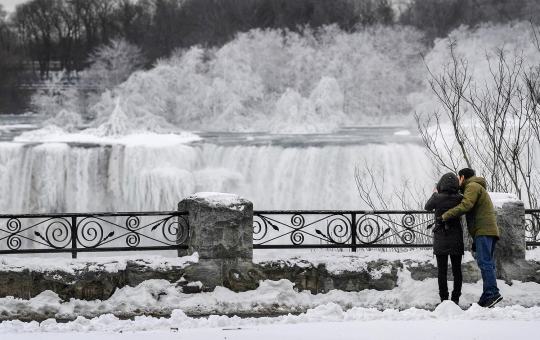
x: 163, y: 298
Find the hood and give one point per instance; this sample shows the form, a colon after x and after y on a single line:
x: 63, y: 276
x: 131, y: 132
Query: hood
x: 448, y: 184
x: 474, y: 179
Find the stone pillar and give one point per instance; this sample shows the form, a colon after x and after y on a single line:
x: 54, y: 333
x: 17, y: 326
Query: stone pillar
x: 221, y: 232
x: 510, y: 260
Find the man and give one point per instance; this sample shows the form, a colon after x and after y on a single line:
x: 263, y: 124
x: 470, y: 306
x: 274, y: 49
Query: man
x: 482, y: 226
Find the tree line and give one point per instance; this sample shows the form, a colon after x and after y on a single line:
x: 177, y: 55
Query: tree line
x: 68, y: 31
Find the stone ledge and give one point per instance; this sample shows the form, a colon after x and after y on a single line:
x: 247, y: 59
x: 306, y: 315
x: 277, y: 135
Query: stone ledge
x: 92, y: 283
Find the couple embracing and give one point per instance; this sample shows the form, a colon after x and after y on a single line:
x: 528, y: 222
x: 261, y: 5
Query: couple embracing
x: 476, y: 205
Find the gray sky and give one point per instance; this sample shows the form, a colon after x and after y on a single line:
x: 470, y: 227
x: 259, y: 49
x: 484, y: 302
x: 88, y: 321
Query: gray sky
x: 9, y: 5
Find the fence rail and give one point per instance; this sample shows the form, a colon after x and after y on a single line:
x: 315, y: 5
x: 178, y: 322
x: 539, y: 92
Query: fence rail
x: 278, y: 229
x: 93, y: 232
x: 272, y: 229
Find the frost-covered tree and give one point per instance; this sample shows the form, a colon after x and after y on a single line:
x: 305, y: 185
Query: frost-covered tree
x: 113, y: 63
x: 55, y: 97
x: 235, y: 89
x: 238, y: 86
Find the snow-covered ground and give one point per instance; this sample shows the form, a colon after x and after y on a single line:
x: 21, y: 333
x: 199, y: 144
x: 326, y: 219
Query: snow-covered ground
x: 325, y: 322
x: 367, y: 314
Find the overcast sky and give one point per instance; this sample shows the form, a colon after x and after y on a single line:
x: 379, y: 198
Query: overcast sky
x: 9, y: 5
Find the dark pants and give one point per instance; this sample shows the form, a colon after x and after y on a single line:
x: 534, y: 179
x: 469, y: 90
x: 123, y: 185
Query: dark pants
x: 485, y: 249
x: 442, y: 266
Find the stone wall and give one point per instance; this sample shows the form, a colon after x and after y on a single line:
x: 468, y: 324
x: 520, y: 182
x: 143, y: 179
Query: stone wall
x: 88, y: 282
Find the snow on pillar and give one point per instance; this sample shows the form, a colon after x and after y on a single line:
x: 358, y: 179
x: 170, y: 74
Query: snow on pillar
x: 221, y: 232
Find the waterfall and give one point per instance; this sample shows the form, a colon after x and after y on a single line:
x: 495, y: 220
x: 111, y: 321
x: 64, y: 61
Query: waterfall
x: 68, y: 177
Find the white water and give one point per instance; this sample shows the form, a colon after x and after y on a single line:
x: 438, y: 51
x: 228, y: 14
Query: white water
x: 59, y: 177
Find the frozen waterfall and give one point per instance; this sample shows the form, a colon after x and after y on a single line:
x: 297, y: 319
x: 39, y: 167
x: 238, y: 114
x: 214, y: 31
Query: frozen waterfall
x: 71, y: 177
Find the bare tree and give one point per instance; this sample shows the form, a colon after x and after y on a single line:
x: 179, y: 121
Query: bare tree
x: 492, y: 125
x: 449, y: 87
x: 372, y: 187
x: 36, y: 24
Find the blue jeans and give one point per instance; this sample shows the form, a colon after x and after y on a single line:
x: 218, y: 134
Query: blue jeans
x: 485, y: 248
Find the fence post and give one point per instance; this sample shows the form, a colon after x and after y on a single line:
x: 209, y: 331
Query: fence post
x: 510, y: 262
x: 74, y: 237
x: 353, y: 231
x: 221, y: 232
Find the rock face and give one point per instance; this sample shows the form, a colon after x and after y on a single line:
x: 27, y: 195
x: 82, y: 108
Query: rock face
x: 221, y: 232
x: 426, y: 270
x: 377, y: 275
x: 88, y: 283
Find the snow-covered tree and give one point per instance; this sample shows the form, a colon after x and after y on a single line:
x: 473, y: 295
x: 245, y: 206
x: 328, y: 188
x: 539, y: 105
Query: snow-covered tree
x: 113, y: 63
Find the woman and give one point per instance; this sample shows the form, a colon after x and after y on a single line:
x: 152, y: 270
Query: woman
x: 447, y: 237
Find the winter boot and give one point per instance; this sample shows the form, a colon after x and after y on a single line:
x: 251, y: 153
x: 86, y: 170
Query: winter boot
x: 444, y: 296
x: 455, y: 297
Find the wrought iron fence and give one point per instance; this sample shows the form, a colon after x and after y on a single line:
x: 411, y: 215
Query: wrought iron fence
x: 532, y: 227
x: 93, y: 232
x: 342, y: 229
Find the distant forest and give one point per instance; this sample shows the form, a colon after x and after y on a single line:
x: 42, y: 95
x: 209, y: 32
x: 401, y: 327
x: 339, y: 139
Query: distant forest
x: 69, y: 31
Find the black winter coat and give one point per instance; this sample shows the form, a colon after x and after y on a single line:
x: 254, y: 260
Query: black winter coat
x: 446, y: 198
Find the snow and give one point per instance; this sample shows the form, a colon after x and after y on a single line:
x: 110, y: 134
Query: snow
x: 54, y: 134
x: 376, y: 329
x: 533, y: 254
x: 331, y: 312
x: 402, y: 133
x: 218, y: 199
x: 339, y: 262
x: 500, y: 198
x: 107, y: 264
x: 411, y: 306
x: 17, y: 127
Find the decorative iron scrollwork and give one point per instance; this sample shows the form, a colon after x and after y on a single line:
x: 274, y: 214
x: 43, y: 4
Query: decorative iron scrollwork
x: 88, y: 232
x: 338, y: 229
x: 297, y: 237
x: 133, y: 240
x: 13, y: 225
x: 532, y: 226
x: 298, y: 221
x: 260, y: 227
x: 14, y: 242
x: 57, y: 234
x: 174, y: 229
x: 132, y: 223
x: 369, y: 229
x: 182, y: 229
x: 408, y: 221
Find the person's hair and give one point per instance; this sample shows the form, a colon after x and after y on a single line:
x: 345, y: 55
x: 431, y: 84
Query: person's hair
x: 467, y: 172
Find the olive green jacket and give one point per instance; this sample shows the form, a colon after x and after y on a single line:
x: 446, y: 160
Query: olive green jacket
x: 477, y: 206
